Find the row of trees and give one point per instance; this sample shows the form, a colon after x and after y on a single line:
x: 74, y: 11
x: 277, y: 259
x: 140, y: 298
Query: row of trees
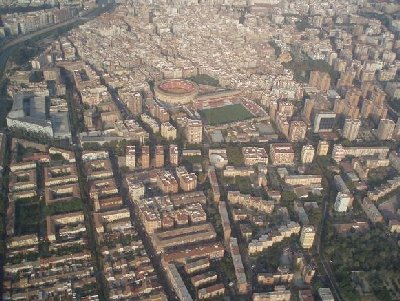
x: 73, y: 205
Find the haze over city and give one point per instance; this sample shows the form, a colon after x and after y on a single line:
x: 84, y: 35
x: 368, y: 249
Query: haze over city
x: 200, y: 150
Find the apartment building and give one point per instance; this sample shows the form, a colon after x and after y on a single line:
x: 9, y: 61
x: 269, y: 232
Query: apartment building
x: 145, y: 157
x: 167, y: 182
x: 351, y: 128
x: 168, y: 131
x: 240, y: 274
x: 211, y: 291
x: 320, y: 80
x: 94, y: 155
x: 177, y: 283
x: 63, y: 174
x: 151, y: 123
x: 254, y: 155
x: 173, y: 155
x: 267, y: 240
x: 307, y: 237
x: 23, y: 180
x: 385, y: 129
x: 61, y: 193
x: 279, y: 294
x: 187, y: 181
x: 193, y: 131
x: 251, y: 202
x: 281, y: 276
x: 297, y: 131
x: 339, y: 152
x: 183, y: 236
x: 212, y: 176
x: 98, y: 169
x: 159, y: 156
x: 197, y: 266
x: 202, y: 279
x: 384, y: 189
x: 307, y: 154
x: 226, y: 225
x: 342, y: 202
x: 322, y: 148
x: 212, y: 250
x: 371, y: 211
x: 281, y: 153
x: 130, y: 157
x: 303, y: 180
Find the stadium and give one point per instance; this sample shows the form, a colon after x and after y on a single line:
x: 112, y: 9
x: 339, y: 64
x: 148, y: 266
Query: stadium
x: 176, y: 91
x: 226, y: 107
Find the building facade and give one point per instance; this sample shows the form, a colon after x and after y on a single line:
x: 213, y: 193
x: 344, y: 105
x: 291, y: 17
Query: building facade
x: 351, y: 128
x: 307, y: 154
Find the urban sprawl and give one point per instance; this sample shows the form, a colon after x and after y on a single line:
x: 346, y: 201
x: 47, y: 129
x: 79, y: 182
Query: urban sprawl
x: 193, y: 150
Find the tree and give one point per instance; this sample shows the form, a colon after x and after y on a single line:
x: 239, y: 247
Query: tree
x: 124, y: 169
x: 244, y: 184
x: 56, y: 157
x: 288, y: 196
x: 92, y: 146
x: 367, y: 252
x: 235, y: 156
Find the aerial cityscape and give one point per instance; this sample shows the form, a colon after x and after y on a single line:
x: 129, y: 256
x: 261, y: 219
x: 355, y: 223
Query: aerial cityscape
x: 200, y: 150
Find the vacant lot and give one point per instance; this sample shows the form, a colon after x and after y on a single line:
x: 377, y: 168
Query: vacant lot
x: 225, y: 114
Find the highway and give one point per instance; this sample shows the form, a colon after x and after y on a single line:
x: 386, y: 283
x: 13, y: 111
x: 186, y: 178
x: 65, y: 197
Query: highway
x: 85, y: 17
x: 7, y: 48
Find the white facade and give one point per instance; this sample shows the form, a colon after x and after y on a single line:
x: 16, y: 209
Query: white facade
x: 342, y: 202
x: 307, y: 154
x: 45, y: 128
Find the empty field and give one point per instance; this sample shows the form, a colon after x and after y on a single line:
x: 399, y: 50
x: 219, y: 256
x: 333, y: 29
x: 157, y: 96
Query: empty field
x: 226, y: 114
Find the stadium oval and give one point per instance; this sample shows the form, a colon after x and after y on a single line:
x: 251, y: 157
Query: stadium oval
x: 176, y: 91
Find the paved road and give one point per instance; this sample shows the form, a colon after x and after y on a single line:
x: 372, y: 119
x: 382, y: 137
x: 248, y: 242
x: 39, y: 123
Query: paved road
x: 87, y: 205
x: 86, y: 16
x: 154, y: 258
x: 325, y: 264
x: 4, y: 196
x: 9, y: 47
x: 126, y: 114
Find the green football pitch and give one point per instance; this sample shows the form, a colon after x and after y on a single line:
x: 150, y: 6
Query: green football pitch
x: 226, y: 114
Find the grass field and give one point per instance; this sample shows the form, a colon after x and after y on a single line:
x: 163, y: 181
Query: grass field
x: 27, y: 216
x: 226, y: 114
